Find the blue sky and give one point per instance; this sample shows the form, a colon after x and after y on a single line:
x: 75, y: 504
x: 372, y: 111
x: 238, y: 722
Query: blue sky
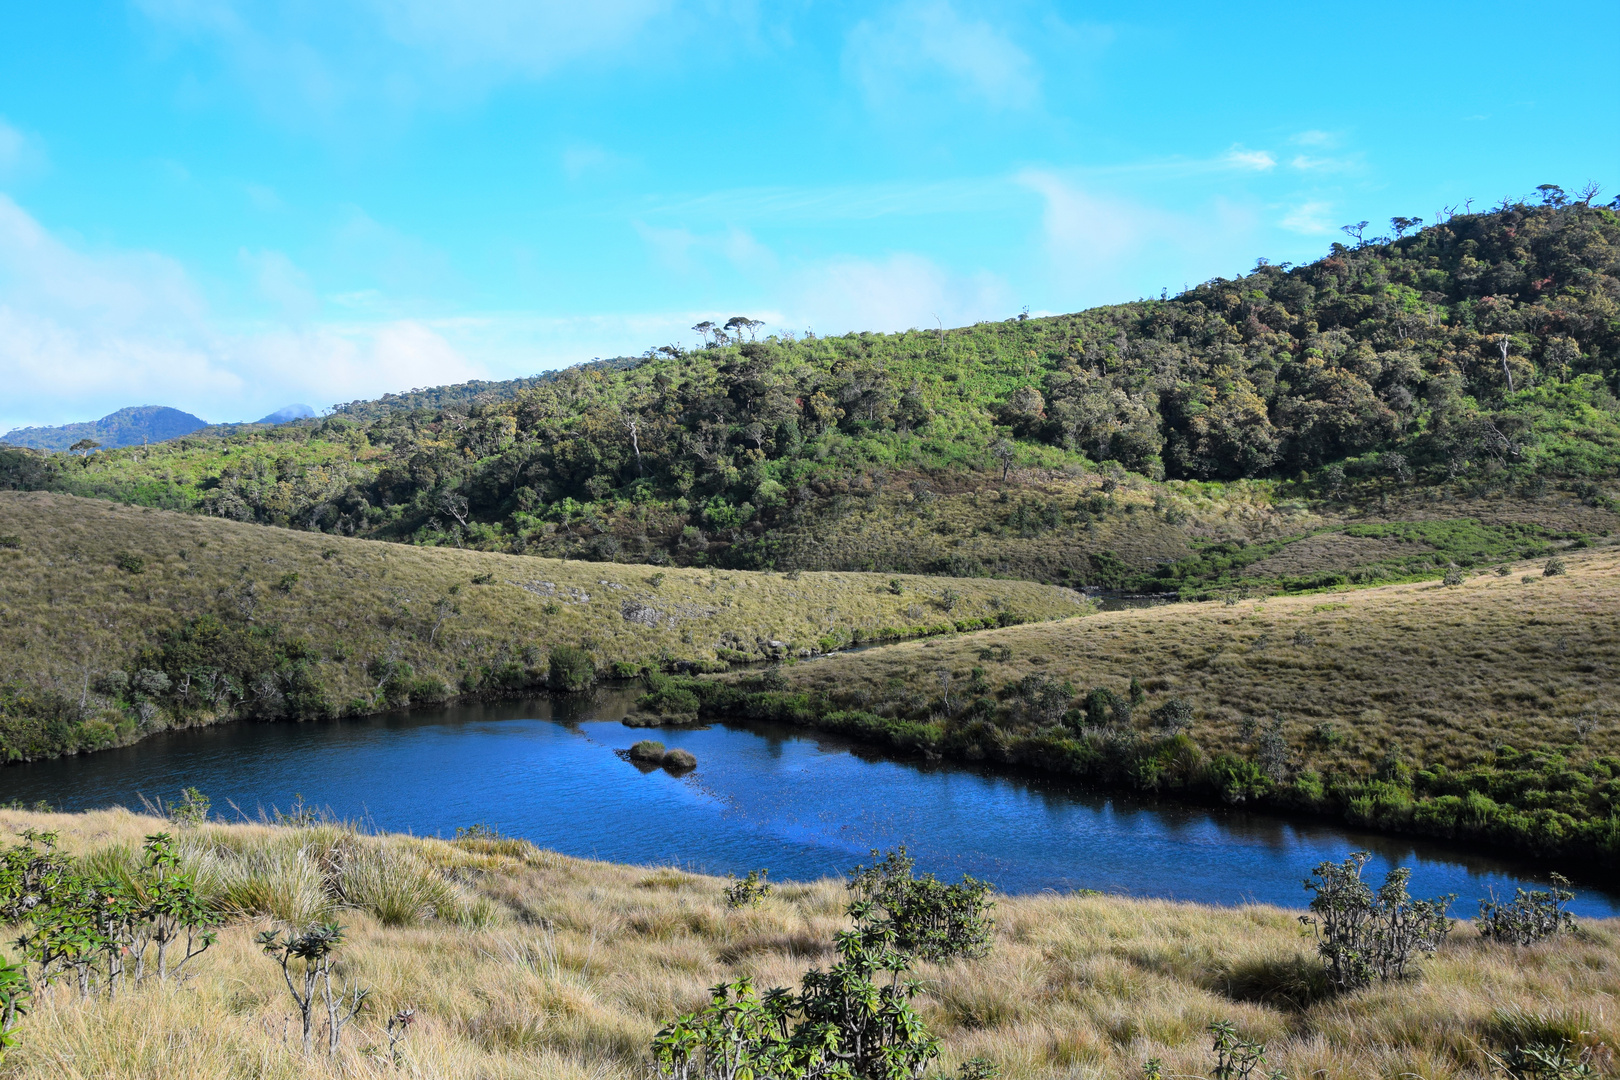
x: 230, y: 205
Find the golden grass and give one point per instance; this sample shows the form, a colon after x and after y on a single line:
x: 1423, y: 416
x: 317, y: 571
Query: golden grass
x: 581, y: 962
x: 1441, y: 674
x: 68, y: 612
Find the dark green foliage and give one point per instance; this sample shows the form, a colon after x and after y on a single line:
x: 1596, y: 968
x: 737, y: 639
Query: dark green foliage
x: 233, y: 667
x: 1174, y: 716
x: 10, y: 542
x: 748, y: 891
x: 854, y: 1021
x: 1531, y: 916
x: 571, y: 669
x: 928, y: 919
x: 1235, y: 1057
x: 149, y: 923
x: 1543, y: 1061
x: 1362, y: 935
x: 1373, y: 369
x: 130, y: 563
x: 15, y: 995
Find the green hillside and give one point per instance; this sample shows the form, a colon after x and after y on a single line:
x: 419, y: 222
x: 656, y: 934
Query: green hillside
x: 117, y: 622
x: 1471, y: 360
x: 134, y: 426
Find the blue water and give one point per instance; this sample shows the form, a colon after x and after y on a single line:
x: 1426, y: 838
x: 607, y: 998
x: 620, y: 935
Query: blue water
x: 803, y: 805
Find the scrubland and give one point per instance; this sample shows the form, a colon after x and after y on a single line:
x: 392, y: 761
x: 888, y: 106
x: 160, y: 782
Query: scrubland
x: 525, y: 963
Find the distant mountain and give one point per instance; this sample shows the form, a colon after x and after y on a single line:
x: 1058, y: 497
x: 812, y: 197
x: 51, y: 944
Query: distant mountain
x: 126, y: 427
x: 287, y: 414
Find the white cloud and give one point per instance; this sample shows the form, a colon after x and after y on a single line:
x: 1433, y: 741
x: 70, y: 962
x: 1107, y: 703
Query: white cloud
x: 1106, y: 249
x: 317, y: 62
x: 896, y: 293
x: 1258, y: 160
x: 903, y: 53
x: 1308, y: 218
x: 83, y: 333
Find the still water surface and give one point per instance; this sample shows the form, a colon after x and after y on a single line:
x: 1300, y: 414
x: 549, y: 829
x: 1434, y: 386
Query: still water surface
x: 804, y: 805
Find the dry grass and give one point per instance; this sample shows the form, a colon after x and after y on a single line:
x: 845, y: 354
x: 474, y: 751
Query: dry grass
x: 68, y: 611
x: 1442, y: 674
x: 581, y: 962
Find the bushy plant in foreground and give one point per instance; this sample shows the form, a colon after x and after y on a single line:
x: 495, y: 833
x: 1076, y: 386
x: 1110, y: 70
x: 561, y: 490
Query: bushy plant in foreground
x: 151, y: 922
x: 748, y: 891
x: 1363, y: 935
x: 1531, y: 916
x: 14, y: 995
x: 854, y: 1021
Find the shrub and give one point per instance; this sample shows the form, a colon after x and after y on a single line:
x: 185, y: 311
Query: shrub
x: 1530, y: 917
x: 748, y: 891
x: 1235, y: 1058
x: 1554, y: 567
x: 10, y: 541
x: 929, y: 919
x: 14, y: 999
x: 1454, y: 576
x: 572, y: 669
x: 853, y: 1020
x: 191, y: 810
x: 1362, y: 935
x: 285, y: 583
x: 130, y: 563
x: 1173, y: 717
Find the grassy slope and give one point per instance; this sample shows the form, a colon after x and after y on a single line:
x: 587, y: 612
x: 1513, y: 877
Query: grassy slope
x: 584, y: 961
x: 1482, y: 710
x: 69, y: 613
x: 1440, y: 674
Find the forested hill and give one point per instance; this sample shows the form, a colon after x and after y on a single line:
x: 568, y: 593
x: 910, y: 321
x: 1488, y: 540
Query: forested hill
x: 1478, y: 352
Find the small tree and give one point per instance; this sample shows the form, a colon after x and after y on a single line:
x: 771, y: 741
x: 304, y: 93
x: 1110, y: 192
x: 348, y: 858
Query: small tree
x: 312, y: 952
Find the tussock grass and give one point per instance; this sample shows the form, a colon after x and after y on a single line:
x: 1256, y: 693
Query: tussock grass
x: 461, y: 619
x: 581, y: 963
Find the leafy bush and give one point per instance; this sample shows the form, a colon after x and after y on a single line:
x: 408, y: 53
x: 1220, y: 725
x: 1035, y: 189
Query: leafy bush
x: 130, y: 563
x: 854, y: 1020
x: 14, y: 1000
x: 748, y: 891
x: 1554, y: 567
x: 1531, y: 916
x: 571, y: 669
x: 1362, y: 935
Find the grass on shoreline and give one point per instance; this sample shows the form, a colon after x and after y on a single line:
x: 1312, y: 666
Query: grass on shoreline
x: 1481, y: 710
x: 86, y: 586
x: 573, y: 965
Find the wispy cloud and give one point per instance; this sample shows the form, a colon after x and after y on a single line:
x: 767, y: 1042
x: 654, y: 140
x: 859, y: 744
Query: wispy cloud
x: 1258, y: 160
x: 306, y: 61
x: 913, y: 48
x: 1308, y: 218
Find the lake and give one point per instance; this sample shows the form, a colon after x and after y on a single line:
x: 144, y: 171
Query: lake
x: 804, y: 805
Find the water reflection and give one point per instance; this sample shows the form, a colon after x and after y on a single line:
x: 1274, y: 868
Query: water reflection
x: 804, y: 805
